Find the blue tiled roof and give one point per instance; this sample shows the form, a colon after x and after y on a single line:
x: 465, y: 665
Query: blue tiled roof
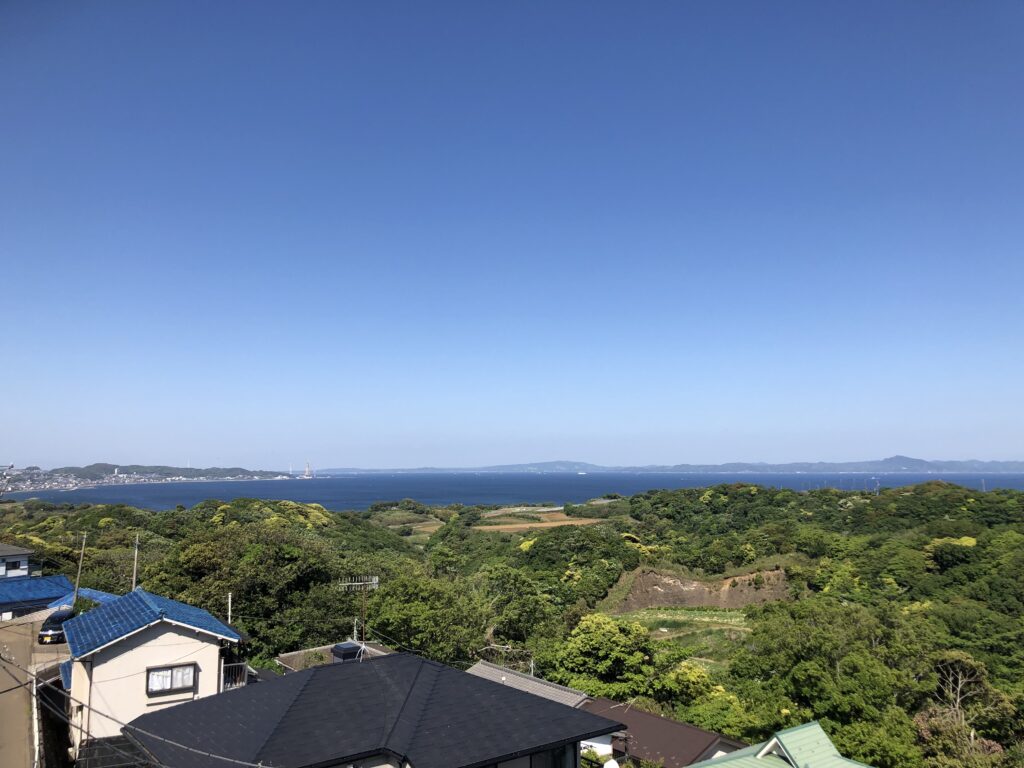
x: 108, y: 622
x: 91, y: 594
x: 32, y: 591
x: 65, y: 674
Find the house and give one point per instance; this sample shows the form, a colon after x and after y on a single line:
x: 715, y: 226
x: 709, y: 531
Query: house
x: 657, y: 739
x: 140, y: 653
x: 393, y: 711
x: 804, y: 746
x: 21, y: 595
x: 648, y: 737
x: 14, y: 561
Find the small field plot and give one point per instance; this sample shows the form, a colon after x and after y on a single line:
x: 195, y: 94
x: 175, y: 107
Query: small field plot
x: 512, y: 520
x: 712, y: 634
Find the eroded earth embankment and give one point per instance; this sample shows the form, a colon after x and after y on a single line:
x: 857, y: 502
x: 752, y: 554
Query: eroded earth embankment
x: 652, y: 589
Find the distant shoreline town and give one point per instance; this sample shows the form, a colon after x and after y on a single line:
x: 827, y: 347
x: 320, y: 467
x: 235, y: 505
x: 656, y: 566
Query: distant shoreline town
x: 27, y: 479
x: 32, y: 478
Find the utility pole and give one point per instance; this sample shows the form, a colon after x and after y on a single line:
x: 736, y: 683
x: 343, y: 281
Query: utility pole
x: 78, y: 578
x: 229, y: 607
x: 3, y: 480
x: 135, y: 565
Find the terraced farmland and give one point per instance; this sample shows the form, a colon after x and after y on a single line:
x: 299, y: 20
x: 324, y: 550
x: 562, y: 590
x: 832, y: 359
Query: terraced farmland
x: 711, y: 634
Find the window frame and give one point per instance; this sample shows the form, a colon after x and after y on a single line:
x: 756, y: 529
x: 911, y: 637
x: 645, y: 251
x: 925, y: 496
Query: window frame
x: 12, y: 565
x: 172, y: 691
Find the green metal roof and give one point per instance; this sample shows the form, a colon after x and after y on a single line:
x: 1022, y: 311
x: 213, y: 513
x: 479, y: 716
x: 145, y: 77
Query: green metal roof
x: 810, y: 747
x: 806, y: 746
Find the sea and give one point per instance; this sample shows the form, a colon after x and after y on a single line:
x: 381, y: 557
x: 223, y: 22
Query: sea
x: 359, y: 491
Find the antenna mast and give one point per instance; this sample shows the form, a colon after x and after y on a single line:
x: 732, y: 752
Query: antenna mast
x: 361, y: 584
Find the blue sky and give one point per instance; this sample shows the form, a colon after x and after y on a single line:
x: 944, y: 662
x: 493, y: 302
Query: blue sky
x: 401, y: 234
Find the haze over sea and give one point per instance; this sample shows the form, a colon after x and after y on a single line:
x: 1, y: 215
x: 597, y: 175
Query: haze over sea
x: 358, y: 491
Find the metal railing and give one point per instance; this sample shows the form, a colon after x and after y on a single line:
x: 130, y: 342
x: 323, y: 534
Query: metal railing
x: 235, y: 676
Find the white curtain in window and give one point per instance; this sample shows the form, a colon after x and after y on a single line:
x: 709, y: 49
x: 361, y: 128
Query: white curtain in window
x: 171, y: 678
x: 160, y: 680
x: 182, y: 677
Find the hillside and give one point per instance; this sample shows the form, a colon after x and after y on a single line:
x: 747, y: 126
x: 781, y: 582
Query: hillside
x: 736, y: 607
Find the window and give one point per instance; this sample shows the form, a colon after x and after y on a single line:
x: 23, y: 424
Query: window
x: 562, y: 757
x: 163, y: 680
x: 13, y: 565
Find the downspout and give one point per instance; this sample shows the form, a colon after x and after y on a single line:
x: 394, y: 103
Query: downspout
x: 88, y: 705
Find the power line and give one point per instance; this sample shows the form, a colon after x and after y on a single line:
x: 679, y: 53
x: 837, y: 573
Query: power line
x: 417, y: 651
x: 134, y: 760
x: 134, y: 728
x: 61, y: 715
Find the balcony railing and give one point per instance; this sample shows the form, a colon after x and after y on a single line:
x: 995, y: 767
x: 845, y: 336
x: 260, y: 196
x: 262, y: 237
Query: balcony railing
x: 235, y: 675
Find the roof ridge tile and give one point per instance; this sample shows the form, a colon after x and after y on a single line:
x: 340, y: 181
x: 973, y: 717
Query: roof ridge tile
x: 402, y: 749
x: 146, y: 598
x: 291, y: 705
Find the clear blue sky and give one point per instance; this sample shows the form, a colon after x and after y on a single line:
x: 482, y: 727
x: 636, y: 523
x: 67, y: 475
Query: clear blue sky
x: 398, y: 234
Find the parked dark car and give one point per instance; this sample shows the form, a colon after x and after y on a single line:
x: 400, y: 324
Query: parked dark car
x: 52, y: 630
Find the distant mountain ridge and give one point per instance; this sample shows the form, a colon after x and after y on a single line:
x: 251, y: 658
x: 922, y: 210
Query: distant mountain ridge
x: 891, y: 465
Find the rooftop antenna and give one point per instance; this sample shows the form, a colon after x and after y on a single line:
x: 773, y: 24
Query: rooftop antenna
x: 361, y: 584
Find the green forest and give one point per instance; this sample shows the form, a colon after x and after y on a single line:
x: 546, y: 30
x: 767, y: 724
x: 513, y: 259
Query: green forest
x: 896, y: 619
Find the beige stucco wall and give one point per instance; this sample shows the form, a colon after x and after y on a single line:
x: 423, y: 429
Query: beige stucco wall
x: 118, y: 677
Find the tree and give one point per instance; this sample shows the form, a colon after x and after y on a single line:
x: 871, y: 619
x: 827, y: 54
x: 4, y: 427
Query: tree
x: 604, y: 657
x: 444, y: 620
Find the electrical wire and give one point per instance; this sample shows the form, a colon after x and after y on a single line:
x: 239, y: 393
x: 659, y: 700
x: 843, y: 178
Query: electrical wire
x: 62, y: 715
x: 133, y: 760
x: 134, y: 728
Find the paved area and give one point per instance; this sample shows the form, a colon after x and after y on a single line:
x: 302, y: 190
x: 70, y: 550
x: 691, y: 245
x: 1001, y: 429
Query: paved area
x: 18, y: 641
x: 15, y: 700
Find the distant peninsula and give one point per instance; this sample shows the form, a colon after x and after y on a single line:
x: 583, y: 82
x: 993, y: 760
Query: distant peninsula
x: 72, y: 478
x: 29, y: 479
x: 891, y: 465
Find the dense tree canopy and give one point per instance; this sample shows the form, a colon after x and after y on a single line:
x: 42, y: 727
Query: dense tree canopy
x: 902, y: 627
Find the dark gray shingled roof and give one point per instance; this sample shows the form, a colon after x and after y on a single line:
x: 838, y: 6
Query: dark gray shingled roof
x: 401, y: 705
x: 9, y: 550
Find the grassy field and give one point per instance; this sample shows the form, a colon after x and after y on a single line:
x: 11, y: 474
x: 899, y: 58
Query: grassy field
x: 518, y: 520
x: 711, y: 634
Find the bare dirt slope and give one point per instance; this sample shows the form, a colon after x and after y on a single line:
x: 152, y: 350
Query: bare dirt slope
x: 651, y: 589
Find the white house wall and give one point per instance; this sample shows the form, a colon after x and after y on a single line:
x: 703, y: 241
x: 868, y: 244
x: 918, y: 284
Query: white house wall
x: 22, y: 571
x: 118, y: 686
x: 602, y: 745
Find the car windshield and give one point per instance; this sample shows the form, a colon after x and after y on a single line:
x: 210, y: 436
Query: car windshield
x: 55, y: 620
